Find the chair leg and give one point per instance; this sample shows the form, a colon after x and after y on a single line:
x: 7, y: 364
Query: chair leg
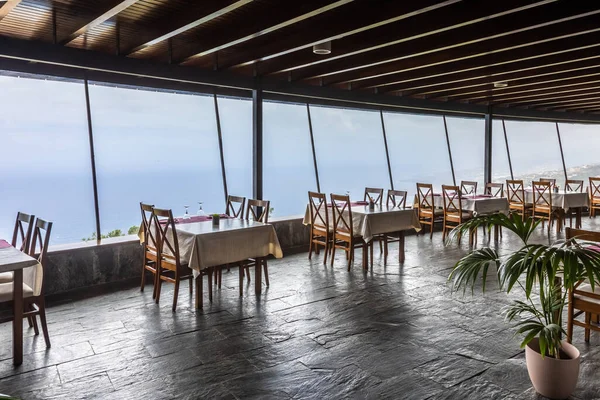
x: 431, y: 230
x: 42, y: 311
x: 191, y: 284
x: 326, y: 250
x: 33, y: 320
x: 588, y: 321
x: 199, y: 291
x: 371, y: 245
x: 385, y: 250
x: 158, y: 287
x: 175, y: 294
x: 266, y: 270
x: 247, y: 269
x: 310, y: 248
x: 241, y: 274
x: 210, y: 288
x: 332, y: 252
x: 570, y: 315
x: 143, y: 278
x: 350, y: 256
x: 219, y: 272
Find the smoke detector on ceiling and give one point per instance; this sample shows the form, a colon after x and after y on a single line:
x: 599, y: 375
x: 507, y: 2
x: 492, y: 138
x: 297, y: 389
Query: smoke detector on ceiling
x: 322, y: 48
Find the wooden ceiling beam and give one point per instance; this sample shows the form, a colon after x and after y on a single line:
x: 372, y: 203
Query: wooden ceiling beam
x: 440, y: 21
x: 8, y: 6
x: 592, y: 101
x: 547, y: 101
x: 565, y: 91
x: 588, y: 108
x: 115, y: 8
x: 437, y: 51
x: 352, y: 20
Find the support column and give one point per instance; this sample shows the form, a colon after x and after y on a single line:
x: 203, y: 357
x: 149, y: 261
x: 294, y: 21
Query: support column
x: 220, y: 138
x: 257, y: 143
x: 562, y: 155
x: 512, y: 176
x: 487, y: 151
x: 312, y: 145
x: 93, y: 160
x: 387, y: 152
x: 449, y: 151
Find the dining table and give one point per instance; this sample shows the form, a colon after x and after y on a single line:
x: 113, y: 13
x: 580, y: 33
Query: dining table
x: 15, y: 261
x: 567, y: 200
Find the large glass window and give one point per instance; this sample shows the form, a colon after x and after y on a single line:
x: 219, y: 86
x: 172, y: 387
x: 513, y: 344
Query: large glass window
x: 534, y: 151
x: 350, y: 150
x: 467, y: 137
x: 156, y: 147
x: 45, y: 157
x: 236, y: 128
x: 500, y: 165
x: 289, y: 172
x: 418, y: 150
x: 580, y: 147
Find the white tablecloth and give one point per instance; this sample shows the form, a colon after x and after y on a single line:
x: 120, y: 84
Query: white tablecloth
x: 382, y: 220
x: 563, y: 199
x: 477, y: 205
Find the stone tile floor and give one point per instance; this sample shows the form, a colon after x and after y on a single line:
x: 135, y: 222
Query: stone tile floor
x: 317, y: 332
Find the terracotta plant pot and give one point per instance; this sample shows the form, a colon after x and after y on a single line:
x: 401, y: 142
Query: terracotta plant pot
x: 551, y: 377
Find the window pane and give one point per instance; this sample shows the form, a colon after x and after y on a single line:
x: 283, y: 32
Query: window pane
x: 534, y: 151
x: 467, y: 137
x: 45, y: 155
x: 580, y: 147
x: 418, y: 150
x: 155, y: 147
x: 500, y: 166
x: 288, y: 164
x: 350, y: 150
x: 236, y: 128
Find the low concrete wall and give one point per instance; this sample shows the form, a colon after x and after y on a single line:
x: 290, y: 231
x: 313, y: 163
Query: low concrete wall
x: 87, y: 265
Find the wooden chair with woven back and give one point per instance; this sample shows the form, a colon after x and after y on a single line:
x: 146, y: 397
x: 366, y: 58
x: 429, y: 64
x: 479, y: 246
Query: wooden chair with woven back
x: 468, y: 188
x: 320, y: 230
x: 34, y: 302
x: 428, y: 214
x: 374, y: 195
x: 149, y: 246
x: 576, y: 186
x: 235, y: 206
x: 396, y: 199
x: 594, y: 190
x: 344, y: 237
x: 453, y: 212
x: 494, y: 189
x: 542, y: 205
x: 515, y: 192
x: 582, y: 300
x: 21, y: 239
x: 170, y: 268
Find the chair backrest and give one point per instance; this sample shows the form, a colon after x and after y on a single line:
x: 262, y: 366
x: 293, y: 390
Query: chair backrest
x: 319, y: 215
x: 39, y: 243
x: 595, y: 187
x: 494, y: 189
x: 341, y: 223
x: 574, y: 185
x: 23, y: 233
x: 468, y: 187
x: 515, y: 191
x: 149, y: 234
x: 425, y: 196
x: 396, y: 198
x: 258, y: 210
x: 374, y: 195
x: 542, y: 196
x: 235, y: 206
x: 589, y: 236
x: 452, y: 199
x: 551, y: 181
x: 166, y: 242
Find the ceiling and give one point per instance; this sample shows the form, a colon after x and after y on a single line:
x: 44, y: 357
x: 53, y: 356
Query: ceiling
x: 451, y: 52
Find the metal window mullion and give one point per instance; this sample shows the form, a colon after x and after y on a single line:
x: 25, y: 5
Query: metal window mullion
x: 220, y: 138
x: 449, y: 150
x: 312, y: 144
x: 257, y: 143
x: 387, y: 152
x: 562, y: 155
x: 92, y: 160
x: 507, y: 151
x: 487, y: 148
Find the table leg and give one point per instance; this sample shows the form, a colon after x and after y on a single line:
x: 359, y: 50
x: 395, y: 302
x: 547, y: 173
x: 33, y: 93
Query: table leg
x: 578, y: 217
x: 365, y: 257
x: 496, y: 229
x: 210, y: 287
x: 18, y: 317
x: 401, y: 256
x: 199, y: 296
x: 471, y: 238
x: 258, y: 275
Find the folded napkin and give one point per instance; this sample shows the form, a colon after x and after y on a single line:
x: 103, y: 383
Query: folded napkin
x: 4, y: 244
x: 194, y: 218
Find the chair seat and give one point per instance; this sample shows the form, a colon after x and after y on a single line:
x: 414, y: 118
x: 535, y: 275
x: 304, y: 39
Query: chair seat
x: 438, y: 212
x: 456, y: 217
x: 6, y: 277
x: 6, y: 292
x: 588, y: 289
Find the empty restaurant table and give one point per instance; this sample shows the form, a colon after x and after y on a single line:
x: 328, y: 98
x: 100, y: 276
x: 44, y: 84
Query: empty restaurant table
x: 565, y: 200
x: 13, y: 260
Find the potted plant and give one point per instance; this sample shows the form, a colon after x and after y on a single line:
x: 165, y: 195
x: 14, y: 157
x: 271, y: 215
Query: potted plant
x: 216, y: 218
x: 545, y: 274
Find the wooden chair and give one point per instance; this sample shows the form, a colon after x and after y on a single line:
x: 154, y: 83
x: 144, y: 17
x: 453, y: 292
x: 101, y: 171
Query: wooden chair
x: 169, y: 267
x: 572, y: 185
x: 582, y: 299
x: 427, y: 212
x: 395, y: 199
x: 468, y: 187
x: 149, y: 247
x: 374, y: 195
x: 235, y: 206
x: 34, y: 304
x: 21, y: 239
x: 320, y: 231
x: 494, y: 189
x: 453, y: 212
x: 551, y: 181
x: 344, y: 236
x: 594, y: 196
x: 515, y: 192
x: 542, y: 205
x: 256, y: 210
